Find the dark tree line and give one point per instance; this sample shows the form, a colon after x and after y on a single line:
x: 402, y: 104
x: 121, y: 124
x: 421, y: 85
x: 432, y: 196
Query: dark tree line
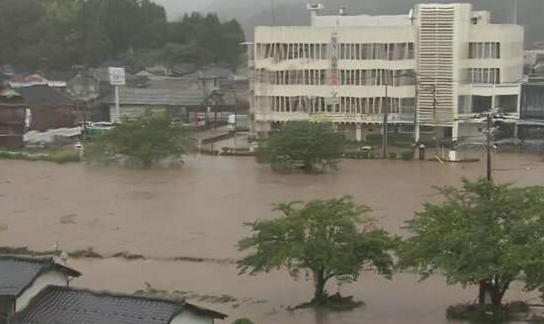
x: 55, y: 34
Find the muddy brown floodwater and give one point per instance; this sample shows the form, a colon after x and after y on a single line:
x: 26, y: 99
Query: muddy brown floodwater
x: 198, y: 212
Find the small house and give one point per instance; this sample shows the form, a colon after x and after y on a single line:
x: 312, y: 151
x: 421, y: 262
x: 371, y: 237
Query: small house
x: 12, y: 118
x: 49, y: 108
x: 22, y: 278
x: 64, y: 305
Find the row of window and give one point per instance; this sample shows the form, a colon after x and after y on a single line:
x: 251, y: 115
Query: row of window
x: 488, y: 50
x: 377, y: 51
x: 373, y: 77
x: 390, y: 51
x: 343, y: 105
x: 373, y: 51
x: 484, y: 75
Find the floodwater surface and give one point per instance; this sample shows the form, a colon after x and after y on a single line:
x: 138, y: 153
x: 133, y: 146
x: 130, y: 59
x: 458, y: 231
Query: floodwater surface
x: 197, y: 213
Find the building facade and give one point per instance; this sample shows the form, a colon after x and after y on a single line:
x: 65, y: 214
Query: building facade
x: 427, y: 70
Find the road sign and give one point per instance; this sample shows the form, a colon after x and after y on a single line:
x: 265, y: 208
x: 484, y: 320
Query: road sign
x: 117, y: 76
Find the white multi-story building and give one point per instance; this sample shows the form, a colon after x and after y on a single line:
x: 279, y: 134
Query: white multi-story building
x: 427, y: 70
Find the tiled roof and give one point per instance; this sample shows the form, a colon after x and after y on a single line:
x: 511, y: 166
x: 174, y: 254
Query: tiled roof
x: 62, y: 305
x: 18, y: 272
x: 42, y: 95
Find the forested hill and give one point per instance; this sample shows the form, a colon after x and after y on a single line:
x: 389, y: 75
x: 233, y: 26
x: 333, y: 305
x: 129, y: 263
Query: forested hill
x: 57, y: 34
x: 293, y: 12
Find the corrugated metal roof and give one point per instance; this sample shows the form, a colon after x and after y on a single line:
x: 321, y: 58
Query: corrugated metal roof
x: 63, y: 305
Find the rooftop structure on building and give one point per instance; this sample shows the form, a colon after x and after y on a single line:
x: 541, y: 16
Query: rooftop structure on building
x: 427, y: 69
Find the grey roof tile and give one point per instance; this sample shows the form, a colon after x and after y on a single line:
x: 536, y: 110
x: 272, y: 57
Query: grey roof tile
x: 18, y: 272
x: 62, y: 305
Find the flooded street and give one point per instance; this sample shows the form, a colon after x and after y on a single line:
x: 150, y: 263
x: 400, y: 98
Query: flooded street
x: 199, y: 211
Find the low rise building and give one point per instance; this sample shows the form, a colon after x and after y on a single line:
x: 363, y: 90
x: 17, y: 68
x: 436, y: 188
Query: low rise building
x: 49, y: 108
x: 12, y: 118
x: 531, y: 123
x: 63, y: 305
x: 35, y: 290
x: 22, y: 278
x: 426, y: 70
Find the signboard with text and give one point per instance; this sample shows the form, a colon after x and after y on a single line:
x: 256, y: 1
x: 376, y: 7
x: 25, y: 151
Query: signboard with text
x: 117, y: 76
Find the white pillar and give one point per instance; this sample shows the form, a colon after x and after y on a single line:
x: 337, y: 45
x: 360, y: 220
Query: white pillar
x: 455, y: 131
x: 358, y: 132
x: 117, y: 117
x: 493, y: 102
x: 418, y: 133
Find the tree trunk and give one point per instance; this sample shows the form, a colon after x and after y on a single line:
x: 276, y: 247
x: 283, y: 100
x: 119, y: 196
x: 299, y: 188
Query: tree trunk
x: 484, y: 288
x: 320, y: 294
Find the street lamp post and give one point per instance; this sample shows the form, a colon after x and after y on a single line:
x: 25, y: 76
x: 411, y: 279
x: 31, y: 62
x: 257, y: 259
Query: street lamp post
x: 385, y: 121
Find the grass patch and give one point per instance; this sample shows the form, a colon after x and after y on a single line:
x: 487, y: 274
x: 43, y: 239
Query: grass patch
x: 87, y: 253
x: 58, y: 156
x: 334, y: 302
x: 128, y: 256
x: 514, y: 311
x: 23, y: 250
x: 359, y: 155
x: 407, y: 155
x: 177, y: 294
x: 243, y: 321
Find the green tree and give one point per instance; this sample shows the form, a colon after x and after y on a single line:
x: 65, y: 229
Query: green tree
x: 243, y: 321
x: 144, y: 141
x: 307, y: 145
x: 330, y: 238
x: 482, y: 234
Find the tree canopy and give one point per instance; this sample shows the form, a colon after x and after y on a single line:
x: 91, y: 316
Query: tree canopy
x: 330, y: 238
x: 56, y: 34
x: 482, y: 234
x: 303, y: 144
x: 144, y: 141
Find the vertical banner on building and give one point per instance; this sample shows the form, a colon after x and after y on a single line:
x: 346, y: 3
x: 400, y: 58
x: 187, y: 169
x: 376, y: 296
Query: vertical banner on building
x: 334, y: 51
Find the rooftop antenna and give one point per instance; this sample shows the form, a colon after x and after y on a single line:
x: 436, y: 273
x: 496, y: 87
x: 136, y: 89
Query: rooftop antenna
x: 273, y: 12
x: 411, y: 16
x: 515, y: 11
x: 314, y: 9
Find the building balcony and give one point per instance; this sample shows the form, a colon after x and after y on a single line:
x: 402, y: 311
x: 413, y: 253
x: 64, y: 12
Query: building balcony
x: 346, y: 118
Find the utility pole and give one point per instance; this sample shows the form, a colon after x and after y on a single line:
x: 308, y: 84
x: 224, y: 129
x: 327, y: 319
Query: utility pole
x: 489, y: 129
x: 385, y: 121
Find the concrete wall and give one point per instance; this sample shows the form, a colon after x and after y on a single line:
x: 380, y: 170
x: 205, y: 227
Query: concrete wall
x: 51, y: 278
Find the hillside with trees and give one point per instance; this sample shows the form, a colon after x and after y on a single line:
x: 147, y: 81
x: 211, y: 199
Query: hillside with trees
x: 56, y: 34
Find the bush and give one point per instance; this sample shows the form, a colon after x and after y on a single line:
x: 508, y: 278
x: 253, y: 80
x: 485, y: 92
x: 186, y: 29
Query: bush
x: 358, y: 155
x: 61, y: 157
x: 243, y: 321
x: 143, y: 142
x: 407, y: 155
x: 393, y: 156
x: 312, y: 147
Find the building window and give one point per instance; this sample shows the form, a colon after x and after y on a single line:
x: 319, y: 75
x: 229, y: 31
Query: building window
x: 486, y: 50
x: 484, y: 76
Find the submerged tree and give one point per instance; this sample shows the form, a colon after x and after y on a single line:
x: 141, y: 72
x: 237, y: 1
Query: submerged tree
x: 144, y: 141
x: 483, y: 234
x: 303, y: 144
x: 329, y: 238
